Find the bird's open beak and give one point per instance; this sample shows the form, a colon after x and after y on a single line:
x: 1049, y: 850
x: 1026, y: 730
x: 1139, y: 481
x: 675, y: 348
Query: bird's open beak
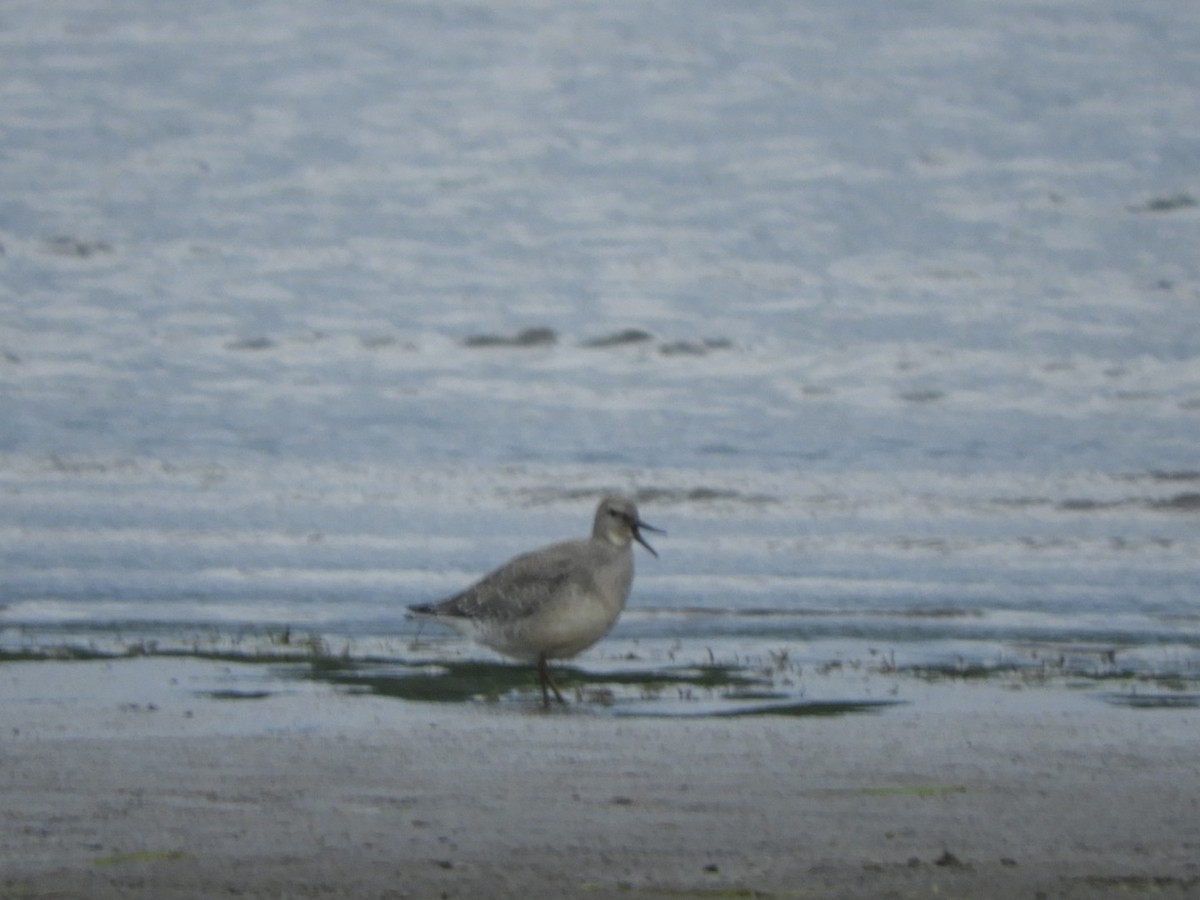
x: 637, y: 535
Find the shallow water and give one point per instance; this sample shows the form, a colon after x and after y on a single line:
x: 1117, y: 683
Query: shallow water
x: 310, y: 313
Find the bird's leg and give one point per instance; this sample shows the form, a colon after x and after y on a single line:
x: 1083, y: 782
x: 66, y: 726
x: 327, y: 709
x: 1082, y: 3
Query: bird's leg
x: 547, y: 681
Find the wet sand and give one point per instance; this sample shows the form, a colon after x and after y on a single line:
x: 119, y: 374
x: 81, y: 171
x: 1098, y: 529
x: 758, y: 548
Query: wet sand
x: 141, y: 778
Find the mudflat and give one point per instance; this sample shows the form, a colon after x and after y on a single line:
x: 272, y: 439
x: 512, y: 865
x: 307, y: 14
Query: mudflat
x: 142, y: 778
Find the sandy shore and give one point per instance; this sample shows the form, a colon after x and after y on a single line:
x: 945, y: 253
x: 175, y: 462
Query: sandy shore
x: 133, y: 779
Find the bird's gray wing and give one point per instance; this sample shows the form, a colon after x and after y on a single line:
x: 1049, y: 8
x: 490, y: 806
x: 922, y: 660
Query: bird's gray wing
x: 521, y: 586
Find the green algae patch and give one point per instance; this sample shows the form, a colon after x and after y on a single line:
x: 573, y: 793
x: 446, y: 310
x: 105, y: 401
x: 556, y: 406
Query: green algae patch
x: 141, y: 856
x: 468, y: 681
x: 237, y: 695
x: 915, y: 790
x: 1153, y: 700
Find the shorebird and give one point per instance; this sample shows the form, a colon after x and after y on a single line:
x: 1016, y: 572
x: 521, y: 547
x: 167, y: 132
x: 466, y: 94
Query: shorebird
x: 554, y: 602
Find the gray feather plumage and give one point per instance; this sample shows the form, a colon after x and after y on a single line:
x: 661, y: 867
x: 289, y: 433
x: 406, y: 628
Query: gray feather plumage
x: 554, y: 602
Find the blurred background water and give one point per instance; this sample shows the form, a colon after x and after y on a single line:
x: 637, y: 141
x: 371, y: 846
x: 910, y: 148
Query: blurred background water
x: 886, y: 312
